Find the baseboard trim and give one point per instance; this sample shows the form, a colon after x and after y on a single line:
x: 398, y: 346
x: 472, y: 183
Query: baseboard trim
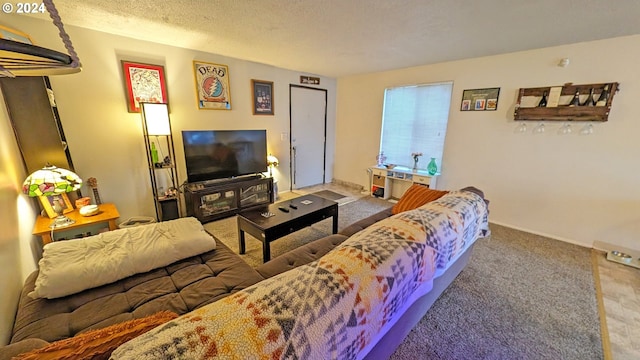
x: 570, y: 241
x: 348, y: 184
x: 604, y: 330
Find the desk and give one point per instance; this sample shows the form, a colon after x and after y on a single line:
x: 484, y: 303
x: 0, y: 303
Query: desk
x: 381, y: 177
x: 107, y: 214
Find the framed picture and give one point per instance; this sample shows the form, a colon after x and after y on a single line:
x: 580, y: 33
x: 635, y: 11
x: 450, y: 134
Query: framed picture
x: 480, y: 99
x: 212, y: 86
x: 144, y: 83
x: 49, y: 201
x: 262, y: 97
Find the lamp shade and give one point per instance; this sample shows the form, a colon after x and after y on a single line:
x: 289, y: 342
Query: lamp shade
x: 272, y: 160
x: 51, y: 180
x: 156, y: 118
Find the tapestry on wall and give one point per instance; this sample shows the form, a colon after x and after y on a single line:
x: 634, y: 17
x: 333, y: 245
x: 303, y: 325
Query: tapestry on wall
x: 212, y: 86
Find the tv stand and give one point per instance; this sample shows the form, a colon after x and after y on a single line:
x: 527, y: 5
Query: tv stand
x: 215, y: 199
x: 199, y: 185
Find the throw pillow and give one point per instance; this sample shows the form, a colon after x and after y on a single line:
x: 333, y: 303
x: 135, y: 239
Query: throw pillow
x: 100, y: 343
x: 416, y: 196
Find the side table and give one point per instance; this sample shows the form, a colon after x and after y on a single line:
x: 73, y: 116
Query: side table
x: 107, y: 215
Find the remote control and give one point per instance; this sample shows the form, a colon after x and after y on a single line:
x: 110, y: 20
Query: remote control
x: 282, y: 208
x: 293, y: 206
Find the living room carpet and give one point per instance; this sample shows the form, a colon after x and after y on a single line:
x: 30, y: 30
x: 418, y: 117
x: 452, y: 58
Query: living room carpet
x: 226, y: 230
x: 522, y: 296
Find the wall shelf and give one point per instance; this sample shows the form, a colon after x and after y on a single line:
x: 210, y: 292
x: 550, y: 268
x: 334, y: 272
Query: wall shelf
x: 526, y: 109
x: 383, y: 178
x: 162, y: 171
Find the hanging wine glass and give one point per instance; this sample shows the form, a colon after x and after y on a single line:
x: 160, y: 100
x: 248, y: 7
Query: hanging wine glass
x: 539, y: 129
x: 521, y: 129
x: 565, y: 129
x: 587, y: 129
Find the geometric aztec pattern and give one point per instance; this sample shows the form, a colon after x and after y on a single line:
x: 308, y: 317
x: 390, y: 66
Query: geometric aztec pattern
x: 334, y: 307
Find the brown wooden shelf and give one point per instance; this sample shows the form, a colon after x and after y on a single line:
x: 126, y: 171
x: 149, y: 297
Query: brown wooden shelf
x: 564, y: 112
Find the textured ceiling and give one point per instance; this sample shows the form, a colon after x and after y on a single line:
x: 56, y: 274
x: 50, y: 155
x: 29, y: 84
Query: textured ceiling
x: 344, y: 37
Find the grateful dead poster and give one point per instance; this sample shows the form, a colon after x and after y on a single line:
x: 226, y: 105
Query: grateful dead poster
x: 212, y: 86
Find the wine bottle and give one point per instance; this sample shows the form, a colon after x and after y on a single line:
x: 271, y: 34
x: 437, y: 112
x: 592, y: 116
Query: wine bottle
x: 154, y: 154
x: 543, y: 101
x: 604, y: 96
x: 575, y: 101
x: 590, y: 100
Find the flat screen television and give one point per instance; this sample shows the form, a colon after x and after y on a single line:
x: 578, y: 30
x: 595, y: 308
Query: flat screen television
x: 217, y: 154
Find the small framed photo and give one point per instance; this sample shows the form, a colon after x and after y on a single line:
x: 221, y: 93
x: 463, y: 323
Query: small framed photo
x: 48, y: 203
x: 480, y: 99
x: 144, y: 83
x: 262, y: 97
x: 212, y: 85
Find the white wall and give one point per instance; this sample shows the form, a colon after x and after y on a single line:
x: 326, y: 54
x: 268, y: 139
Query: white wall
x: 106, y: 141
x: 16, y: 221
x: 575, y: 188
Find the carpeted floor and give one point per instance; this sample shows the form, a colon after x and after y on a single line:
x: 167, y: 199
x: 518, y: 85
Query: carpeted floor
x: 522, y: 296
x: 226, y: 230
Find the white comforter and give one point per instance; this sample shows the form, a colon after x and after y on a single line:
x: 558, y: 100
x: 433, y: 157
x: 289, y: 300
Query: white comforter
x: 71, y: 266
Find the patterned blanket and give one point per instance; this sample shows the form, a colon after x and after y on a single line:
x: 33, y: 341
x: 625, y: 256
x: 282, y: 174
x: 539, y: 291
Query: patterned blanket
x: 332, y: 308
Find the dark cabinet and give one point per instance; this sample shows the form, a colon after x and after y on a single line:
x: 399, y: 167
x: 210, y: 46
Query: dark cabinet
x: 36, y: 122
x: 212, y: 200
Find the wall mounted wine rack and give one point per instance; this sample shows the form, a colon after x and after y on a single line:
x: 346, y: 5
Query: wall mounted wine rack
x: 528, y: 98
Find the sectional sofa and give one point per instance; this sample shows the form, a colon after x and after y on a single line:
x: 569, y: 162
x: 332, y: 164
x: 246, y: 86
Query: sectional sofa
x: 355, y: 294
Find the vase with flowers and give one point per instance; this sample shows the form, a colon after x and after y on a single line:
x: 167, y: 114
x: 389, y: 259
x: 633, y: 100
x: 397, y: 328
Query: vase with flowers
x: 416, y: 158
x: 381, y: 158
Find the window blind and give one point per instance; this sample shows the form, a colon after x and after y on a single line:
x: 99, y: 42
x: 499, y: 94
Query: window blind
x: 414, y: 120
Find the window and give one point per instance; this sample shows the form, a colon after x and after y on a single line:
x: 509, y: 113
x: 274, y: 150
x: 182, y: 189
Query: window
x: 414, y: 120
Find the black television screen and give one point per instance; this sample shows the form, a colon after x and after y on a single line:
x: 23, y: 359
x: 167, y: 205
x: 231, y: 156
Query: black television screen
x: 215, y: 154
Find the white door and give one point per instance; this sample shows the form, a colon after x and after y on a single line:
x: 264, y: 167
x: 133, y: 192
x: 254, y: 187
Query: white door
x: 308, y: 135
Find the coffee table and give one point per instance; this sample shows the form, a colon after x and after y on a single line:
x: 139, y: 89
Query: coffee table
x: 309, y: 210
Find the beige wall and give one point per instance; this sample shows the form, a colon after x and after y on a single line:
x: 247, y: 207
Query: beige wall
x: 575, y: 188
x: 106, y: 141
x: 17, y: 219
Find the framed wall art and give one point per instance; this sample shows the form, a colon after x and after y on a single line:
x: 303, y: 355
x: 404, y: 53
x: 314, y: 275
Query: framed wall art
x: 480, y: 99
x: 144, y: 83
x: 212, y: 85
x: 262, y: 97
x: 48, y: 203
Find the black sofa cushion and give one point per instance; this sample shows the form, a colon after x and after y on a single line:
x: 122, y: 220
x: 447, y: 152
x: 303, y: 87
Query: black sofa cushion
x: 179, y: 287
x: 300, y: 256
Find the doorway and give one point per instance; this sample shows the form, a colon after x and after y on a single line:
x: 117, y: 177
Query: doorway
x: 308, y: 129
